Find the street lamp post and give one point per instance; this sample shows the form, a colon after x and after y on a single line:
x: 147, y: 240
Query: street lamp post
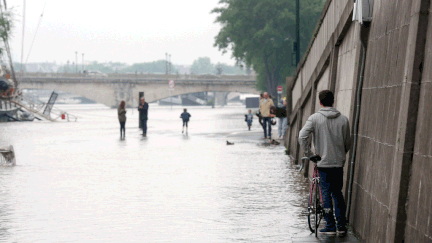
x: 76, y: 62
x: 297, y: 31
x: 169, y: 62
x: 83, y: 62
x: 166, y: 63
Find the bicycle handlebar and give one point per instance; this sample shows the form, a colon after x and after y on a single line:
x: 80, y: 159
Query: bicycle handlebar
x: 314, y: 158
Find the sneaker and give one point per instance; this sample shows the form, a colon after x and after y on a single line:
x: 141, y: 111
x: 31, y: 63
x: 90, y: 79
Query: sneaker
x: 342, y: 231
x: 328, y: 231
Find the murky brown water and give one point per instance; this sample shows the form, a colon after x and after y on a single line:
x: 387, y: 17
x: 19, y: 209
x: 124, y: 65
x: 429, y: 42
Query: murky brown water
x: 78, y: 182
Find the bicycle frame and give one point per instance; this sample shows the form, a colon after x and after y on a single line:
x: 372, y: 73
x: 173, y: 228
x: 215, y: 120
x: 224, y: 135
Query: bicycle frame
x: 316, y: 181
x: 312, y: 205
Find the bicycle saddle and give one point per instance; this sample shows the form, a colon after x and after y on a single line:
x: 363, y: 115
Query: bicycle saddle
x: 315, y: 158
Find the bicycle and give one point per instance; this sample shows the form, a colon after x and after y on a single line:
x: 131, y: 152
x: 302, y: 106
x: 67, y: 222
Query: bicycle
x: 315, y: 205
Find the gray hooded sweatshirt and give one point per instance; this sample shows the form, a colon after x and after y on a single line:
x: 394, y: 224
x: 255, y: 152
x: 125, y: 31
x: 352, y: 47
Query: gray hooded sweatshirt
x: 331, y: 137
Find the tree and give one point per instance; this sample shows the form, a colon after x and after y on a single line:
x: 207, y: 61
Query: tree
x: 261, y: 33
x: 6, y: 26
x: 202, y: 65
x: 150, y: 67
x: 219, y: 69
x: 230, y: 70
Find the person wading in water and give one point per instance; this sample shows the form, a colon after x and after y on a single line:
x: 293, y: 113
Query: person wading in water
x: 143, y: 115
x: 185, y: 117
x: 121, y: 111
x: 264, y: 106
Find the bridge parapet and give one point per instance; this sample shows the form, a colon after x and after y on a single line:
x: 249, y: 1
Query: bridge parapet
x: 111, y: 90
x: 133, y: 80
x: 138, y: 76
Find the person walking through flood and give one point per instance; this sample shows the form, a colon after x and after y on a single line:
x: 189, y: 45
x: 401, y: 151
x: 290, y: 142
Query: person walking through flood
x: 185, y: 117
x: 121, y: 111
x: 249, y: 119
x: 264, y: 107
x: 258, y: 113
x: 330, y: 132
x: 143, y: 115
x: 280, y: 113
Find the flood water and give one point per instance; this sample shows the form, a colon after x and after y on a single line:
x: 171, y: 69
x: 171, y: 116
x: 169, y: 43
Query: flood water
x: 79, y: 182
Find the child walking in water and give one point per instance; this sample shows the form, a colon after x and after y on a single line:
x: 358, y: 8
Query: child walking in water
x: 249, y: 119
x: 185, y: 117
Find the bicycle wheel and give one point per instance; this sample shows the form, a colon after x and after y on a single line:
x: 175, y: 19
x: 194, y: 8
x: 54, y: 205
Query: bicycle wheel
x: 312, y: 216
x: 318, y: 208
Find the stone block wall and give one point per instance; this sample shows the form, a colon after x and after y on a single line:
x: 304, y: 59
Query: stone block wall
x: 392, y: 185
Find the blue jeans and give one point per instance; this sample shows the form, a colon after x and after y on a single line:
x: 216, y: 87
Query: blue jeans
x: 331, y: 181
x: 282, y: 126
x: 122, y: 129
x: 267, y: 124
x: 144, y: 125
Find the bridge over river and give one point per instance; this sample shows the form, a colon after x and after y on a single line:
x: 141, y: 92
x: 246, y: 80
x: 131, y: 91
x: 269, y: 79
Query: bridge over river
x: 112, y: 89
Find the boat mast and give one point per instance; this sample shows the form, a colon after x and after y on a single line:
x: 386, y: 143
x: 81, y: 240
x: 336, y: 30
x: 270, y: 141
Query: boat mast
x: 22, y: 42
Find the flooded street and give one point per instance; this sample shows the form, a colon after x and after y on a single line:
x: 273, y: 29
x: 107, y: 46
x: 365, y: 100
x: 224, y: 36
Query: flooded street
x: 79, y: 182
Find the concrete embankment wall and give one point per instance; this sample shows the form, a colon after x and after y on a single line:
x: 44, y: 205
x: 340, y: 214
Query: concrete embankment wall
x: 392, y: 181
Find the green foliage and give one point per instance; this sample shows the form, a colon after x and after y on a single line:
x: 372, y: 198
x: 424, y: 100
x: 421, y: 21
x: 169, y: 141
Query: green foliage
x: 95, y: 66
x: 150, y: 67
x: 6, y: 25
x: 261, y: 33
x: 202, y: 66
x: 118, y: 67
x: 222, y: 68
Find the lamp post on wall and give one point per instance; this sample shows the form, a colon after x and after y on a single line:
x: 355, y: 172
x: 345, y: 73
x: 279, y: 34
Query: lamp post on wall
x: 169, y: 72
x: 166, y: 63
x: 297, y: 44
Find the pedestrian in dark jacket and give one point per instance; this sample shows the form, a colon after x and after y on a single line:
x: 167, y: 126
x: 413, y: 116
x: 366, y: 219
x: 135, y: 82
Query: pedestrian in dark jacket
x: 185, y: 117
x: 121, y: 111
x: 280, y: 113
x: 143, y: 115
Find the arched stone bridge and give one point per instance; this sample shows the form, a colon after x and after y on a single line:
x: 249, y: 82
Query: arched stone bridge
x: 110, y: 91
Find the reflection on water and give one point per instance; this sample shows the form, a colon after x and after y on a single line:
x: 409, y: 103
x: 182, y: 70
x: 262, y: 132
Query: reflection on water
x: 80, y: 181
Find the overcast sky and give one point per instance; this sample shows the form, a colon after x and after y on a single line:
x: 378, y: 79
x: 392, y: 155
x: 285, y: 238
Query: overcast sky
x: 128, y: 31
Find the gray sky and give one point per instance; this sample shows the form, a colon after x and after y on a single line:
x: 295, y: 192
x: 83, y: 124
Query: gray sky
x: 126, y: 31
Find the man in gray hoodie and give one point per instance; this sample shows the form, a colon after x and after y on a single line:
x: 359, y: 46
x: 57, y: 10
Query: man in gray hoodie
x: 331, y: 136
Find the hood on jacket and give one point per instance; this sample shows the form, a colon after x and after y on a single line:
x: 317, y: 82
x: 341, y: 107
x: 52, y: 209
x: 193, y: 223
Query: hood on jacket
x: 329, y: 112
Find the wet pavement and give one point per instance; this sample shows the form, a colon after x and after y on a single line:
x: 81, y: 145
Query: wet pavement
x: 307, y: 237
x: 79, y: 182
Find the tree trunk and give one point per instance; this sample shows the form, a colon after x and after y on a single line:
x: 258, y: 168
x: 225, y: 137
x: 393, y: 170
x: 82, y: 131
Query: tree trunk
x: 271, y: 88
